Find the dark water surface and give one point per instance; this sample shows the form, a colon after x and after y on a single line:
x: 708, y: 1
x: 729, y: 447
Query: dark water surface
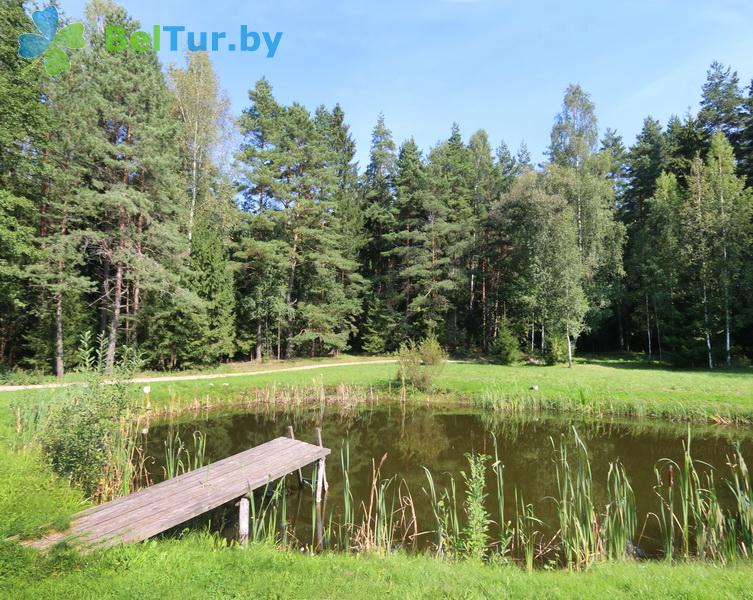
x: 439, y: 438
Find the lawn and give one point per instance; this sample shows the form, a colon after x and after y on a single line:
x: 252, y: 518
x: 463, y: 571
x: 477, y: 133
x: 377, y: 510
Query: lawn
x: 594, y: 386
x: 199, y: 567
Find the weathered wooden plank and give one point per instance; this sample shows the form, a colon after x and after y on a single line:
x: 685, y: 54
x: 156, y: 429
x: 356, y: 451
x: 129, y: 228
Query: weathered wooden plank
x: 241, y: 458
x: 149, y: 498
x: 150, y: 495
x: 160, y: 507
x: 194, y: 501
x: 148, y: 528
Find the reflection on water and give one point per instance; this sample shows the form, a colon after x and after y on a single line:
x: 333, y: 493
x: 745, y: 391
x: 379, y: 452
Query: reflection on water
x: 438, y: 438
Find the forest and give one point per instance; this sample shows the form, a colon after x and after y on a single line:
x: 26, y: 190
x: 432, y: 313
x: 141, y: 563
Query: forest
x: 135, y: 206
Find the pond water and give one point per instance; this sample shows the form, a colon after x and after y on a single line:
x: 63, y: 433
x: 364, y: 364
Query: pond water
x: 439, y: 438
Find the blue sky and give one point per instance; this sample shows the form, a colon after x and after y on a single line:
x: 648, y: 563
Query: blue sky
x: 495, y: 64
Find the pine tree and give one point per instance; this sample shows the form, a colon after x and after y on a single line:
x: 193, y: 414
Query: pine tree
x: 451, y: 216
x: 322, y: 287
x: 132, y: 182
x: 722, y: 103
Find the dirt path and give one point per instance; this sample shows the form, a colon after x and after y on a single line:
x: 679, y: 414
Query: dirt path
x: 52, y: 386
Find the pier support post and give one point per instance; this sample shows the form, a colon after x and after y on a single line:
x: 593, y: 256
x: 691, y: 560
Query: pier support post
x: 324, y: 470
x: 319, y: 479
x: 243, y: 521
x: 291, y: 435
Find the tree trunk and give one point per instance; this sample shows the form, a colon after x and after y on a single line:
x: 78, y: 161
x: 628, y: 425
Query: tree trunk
x: 725, y: 277
x: 194, y: 185
x: 289, y: 297
x: 648, y: 330
x: 620, y: 326
x: 569, y: 349
x: 117, y: 299
x: 543, y: 346
x: 259, y: 341
x: 706, y: 327
x: 658, y: 330
x: 115, y: 320
x: 59, y: 364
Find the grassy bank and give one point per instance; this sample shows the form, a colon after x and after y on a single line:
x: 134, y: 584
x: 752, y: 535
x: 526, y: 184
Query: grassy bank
x: 595, y: 386
x: 196, y: 567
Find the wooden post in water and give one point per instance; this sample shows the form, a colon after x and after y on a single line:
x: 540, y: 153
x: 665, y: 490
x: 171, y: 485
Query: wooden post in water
x: 319, y: 479
x: 324, y: 471
x: 243, y: 521
x: 291, y: 435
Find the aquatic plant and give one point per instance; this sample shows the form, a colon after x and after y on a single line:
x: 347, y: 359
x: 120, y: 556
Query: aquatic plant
x: 476, y: 530
x: 621, y: 518
x: 578, y: 519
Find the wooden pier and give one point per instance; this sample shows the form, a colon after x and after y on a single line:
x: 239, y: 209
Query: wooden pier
x: 160, y: 507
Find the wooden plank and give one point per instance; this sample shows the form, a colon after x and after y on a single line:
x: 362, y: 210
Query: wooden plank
x: 237, y: 459
x: 197, y: 501
x: 153, y: 510
x: 148, y: 528
x: 201, y: 498
x: 166, y: 490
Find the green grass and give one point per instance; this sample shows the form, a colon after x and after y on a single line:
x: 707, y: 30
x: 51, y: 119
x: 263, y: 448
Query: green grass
x: 594, y: 386
x: 196, y: 567
x: 609, y: 387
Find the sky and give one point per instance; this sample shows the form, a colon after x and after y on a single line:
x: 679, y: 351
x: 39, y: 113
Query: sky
x: 493, y: 64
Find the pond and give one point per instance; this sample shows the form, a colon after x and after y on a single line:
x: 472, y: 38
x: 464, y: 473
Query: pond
x: 438, y: 438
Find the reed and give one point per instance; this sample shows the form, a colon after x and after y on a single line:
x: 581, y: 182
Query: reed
x: 578, y: 519
x: 527, y: 533
x: 389, y: 520
x: 505, y: 530
x: 447, y: 531
x: 345, y: 528
x: 621, y: 517
x: 178, y: 458
x: 267, y: 512
x: 742, y: 493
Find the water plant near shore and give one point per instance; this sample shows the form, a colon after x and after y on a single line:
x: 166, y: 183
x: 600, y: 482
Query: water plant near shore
x: 694, y: 521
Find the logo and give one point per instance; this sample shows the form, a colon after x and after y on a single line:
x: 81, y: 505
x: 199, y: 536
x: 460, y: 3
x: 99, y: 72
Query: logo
x: 118, y: 40
x: 52, y: 43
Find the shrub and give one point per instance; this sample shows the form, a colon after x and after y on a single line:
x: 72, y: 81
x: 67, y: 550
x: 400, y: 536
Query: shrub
x: 505, y: 348
x: 419, y: 365
x: 555, y: 351
x: 431, y: 351
x: 79, y: 432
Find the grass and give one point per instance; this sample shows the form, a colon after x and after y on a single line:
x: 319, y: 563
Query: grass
x: 198, y: 566
x: 31, y: 497
x: 595, y: 386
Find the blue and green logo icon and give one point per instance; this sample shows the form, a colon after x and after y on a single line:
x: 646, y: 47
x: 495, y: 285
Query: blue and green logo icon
x: 51, y: 44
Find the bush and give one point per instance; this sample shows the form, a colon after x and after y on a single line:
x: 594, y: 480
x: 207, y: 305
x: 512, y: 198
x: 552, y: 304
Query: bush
x: 431, y: 351
x: 555, y: 351
x: 505, y: 348
x: 77, y: 435
x: 419, y: 365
